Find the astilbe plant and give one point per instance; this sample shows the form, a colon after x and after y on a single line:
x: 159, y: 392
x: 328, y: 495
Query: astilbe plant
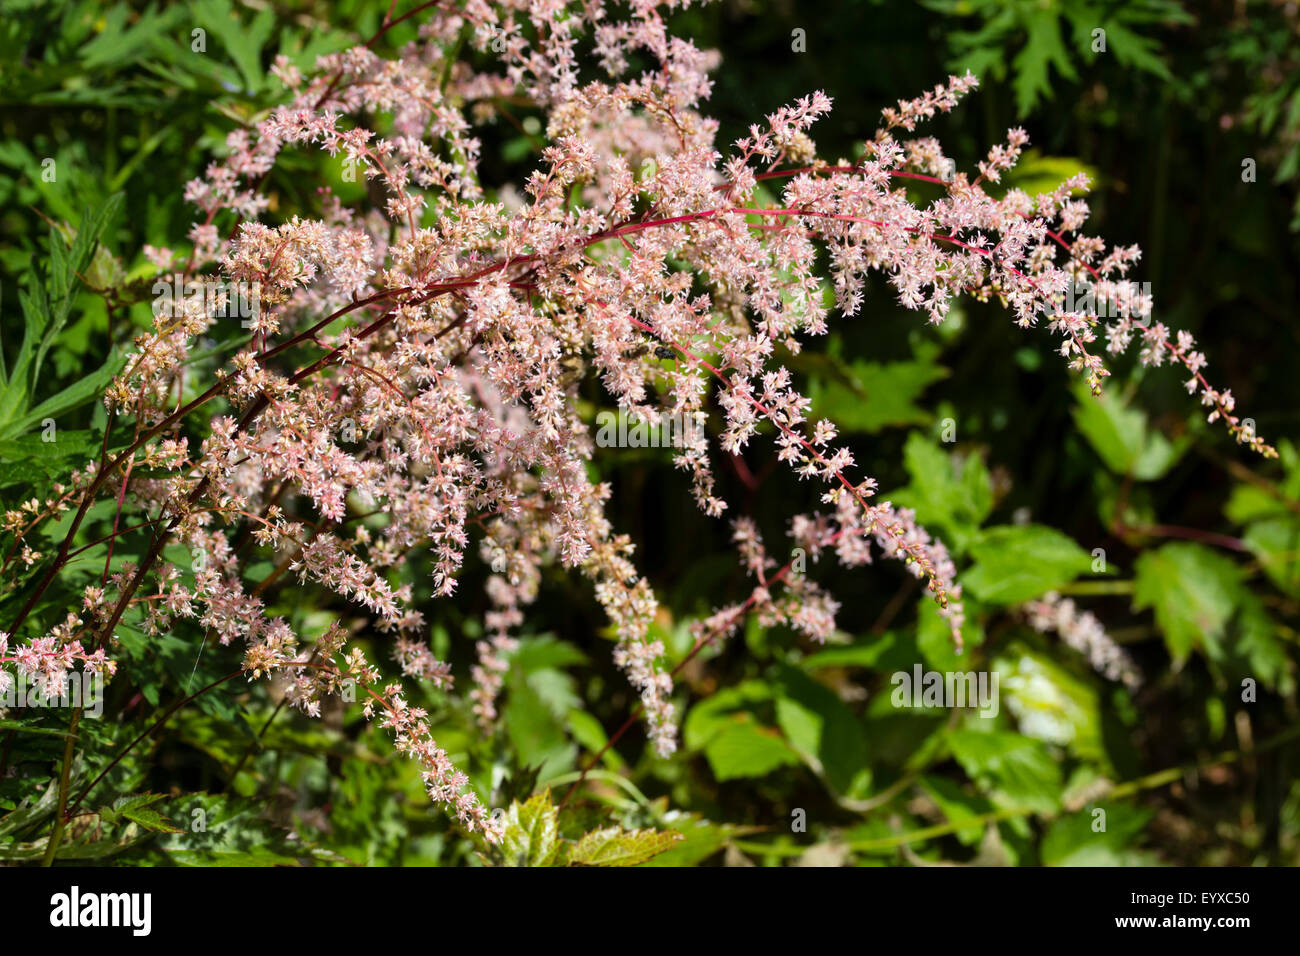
x: 441, y: 329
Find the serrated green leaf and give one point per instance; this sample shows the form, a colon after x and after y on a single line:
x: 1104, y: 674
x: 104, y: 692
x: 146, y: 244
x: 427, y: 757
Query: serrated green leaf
x: 950, y: 494
x: 1015, y: 563
x: 1193, y: 591
x: 139, y: 809
x: 873, y: 396
x: 243, y: 41
x: 614, y: 846
x: 532, y: 833
x: 1044, y: 48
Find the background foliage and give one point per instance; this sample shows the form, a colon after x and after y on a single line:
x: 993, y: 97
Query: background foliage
x: 1201, y: 583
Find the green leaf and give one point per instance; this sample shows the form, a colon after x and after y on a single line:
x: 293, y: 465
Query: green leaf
x: 1015, y: 563
x: 868, y: 397
x: 79, y: 446
x: 712, y: 715
x: 886, y: 652
x: 1132, y: 49
x: 1259, y: 649
x: 243, y: 41
x: 535, y: 733
x: 176, y: 659
x: 232, y: 831
x: 1249, y: 503
x: 699, y: 839
x: 614, y: 846
x: 1276, y: 543
x: 1193, y: 591
x: 1037, y: 173
x: 949, y: 493
x: 31, y: 812
x: 1121, y: 437
x: 588, y: 731
x: 1090, y: 839
x: 1017, y: 772
x: 85, y: 390
x: 138, y: 809
x: 821, y: 729
x: 539, y: 699
x: 45, y: 315
x: 1044, y: 48
x: 117, y: 46
x: 536, y: 653
x: 745, y: 748
x: 24, y: 473
x: 532, y: 833
x: 67, y: 265
x: 37, y: 317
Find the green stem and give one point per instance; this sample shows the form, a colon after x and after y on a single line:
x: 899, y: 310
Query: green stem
x: 65, y: 778
x: 1097, y: 587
